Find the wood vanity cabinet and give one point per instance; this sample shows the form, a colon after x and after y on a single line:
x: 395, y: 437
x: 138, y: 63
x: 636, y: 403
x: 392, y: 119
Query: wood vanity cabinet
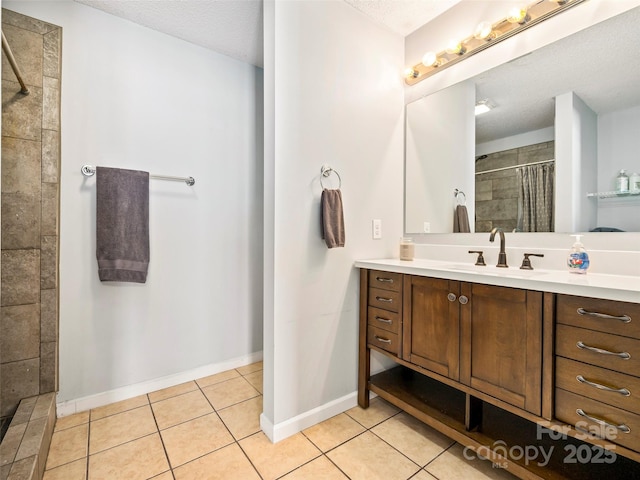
x: 491, y: 365
x: 487, y: 337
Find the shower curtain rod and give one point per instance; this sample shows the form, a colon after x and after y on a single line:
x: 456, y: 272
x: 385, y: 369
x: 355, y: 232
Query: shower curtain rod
x: 12, y: 61
x: 515, y: 166
x: 89, y: 171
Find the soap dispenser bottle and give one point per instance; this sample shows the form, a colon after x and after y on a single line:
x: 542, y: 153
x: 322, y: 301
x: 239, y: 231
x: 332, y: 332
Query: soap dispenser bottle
x: 578, y: 260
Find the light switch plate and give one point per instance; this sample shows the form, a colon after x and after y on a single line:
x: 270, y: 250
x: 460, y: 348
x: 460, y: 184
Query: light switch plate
x: 377, y: 229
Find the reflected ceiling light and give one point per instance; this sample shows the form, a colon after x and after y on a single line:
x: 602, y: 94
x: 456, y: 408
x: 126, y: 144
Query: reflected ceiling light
x: 485, y: 35
x: 483, y: 106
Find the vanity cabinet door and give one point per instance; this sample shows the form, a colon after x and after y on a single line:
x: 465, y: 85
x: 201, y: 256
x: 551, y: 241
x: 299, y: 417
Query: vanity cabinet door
x: 431, y: 334
x: 501, y: 344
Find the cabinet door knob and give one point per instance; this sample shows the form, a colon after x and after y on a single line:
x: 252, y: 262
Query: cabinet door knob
x: 451, y: 297
x: 463, y: 300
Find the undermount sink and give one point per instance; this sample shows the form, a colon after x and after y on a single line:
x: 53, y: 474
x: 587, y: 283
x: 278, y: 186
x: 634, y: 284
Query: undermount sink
x: 495, y: 271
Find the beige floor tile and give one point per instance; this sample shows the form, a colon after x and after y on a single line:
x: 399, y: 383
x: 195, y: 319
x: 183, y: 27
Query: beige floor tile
x: 120, y: 428
x: 163, y: 476
x: 68, y: 445
x: 320, y: 468
x: 422, y: 475
x: 272, y: 460
x: 378, y: 411
x: 138, y: 460
x: 195, y: 438
x: 228, y: 463
x: 172, y: 391
x: 255, y: 379
x: 71, y: 471
x: 253, y: 367
x: 217, y: 378
x: 71, y: 421
x: 243, y: 419
x: 413, y: 438
x: 452, y: 465
x: 334, y: 431
x: 181, y: 408
x: 229, y: 393
x: 366, y: 457
x: 119, y: 407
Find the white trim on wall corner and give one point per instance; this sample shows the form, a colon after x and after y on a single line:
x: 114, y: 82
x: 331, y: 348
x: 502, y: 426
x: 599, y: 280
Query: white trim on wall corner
x: 98, y: 400
x: 298, y: 423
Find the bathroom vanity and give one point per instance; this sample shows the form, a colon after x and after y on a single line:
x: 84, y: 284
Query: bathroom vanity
x: 538, y: 371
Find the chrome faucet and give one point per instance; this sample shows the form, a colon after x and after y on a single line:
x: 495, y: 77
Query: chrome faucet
x: 502, y: 256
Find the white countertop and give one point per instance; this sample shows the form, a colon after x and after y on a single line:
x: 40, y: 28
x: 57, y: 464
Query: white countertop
x: 613, y: 287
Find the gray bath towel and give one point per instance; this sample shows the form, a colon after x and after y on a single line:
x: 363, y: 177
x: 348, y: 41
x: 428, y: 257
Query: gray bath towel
x: 332, y: 218
x: 461, y: 220
x: 122, y: 225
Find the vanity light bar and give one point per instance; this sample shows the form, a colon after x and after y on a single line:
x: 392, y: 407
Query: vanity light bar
x: 484, y: 37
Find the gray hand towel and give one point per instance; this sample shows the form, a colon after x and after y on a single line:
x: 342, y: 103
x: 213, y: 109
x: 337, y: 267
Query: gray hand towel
x: 122, y: 225
x: 461, y: 220
x: 332, y: 218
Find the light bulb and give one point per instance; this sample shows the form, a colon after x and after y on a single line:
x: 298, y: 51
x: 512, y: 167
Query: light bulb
x: 430, y: 59
x: 484, y: 31
x: 455, y: 47
x: 411, y: 72
x: 518, y: 15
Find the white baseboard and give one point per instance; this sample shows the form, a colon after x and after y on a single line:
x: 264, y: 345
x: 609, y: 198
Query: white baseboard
x: 298, y: 423
x: 70, y: 407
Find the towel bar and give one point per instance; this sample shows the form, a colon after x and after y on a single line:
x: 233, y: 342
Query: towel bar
x: 89, y: 171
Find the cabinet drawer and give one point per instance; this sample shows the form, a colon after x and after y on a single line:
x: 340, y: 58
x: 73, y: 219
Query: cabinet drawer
x: 385, y: 280
x: 383, y: 339
x: 619, y: 390
x: 568, y: 338
x: 385, y: 299
x: 608, y: 316
x: 384, y: 319
x: 621, y: 427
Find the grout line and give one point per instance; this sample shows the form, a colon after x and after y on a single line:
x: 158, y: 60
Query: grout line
x: 164, y: 447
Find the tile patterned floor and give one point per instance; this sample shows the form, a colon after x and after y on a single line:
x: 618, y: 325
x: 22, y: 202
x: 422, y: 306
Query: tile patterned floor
x: 209, y: 429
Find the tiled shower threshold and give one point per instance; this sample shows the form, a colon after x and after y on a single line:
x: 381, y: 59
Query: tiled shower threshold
x: 24, y: 448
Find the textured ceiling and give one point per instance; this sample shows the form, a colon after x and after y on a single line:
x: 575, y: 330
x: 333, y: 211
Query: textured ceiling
x: 234, y: 27
x: 402, y: 16
x: 229, y: 27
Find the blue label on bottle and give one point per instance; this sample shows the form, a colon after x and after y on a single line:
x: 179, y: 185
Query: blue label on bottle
x: 578, y: 260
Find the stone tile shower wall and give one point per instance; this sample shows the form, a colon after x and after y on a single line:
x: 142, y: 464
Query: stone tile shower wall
x: 497, y: 192
x: 30, y: 209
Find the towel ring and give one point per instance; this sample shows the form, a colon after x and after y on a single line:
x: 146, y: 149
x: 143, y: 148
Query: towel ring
x: 325, y: 171
x: 456, y: 194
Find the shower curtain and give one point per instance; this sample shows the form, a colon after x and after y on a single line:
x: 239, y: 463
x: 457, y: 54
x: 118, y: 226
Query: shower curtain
x: 535, y: 200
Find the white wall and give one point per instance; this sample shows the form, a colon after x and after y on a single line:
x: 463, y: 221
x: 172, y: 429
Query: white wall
x: 576, y: 146
x: 335, y: 96
x: 618, y: 147
x: 139, y: 99
x: 439, y: 145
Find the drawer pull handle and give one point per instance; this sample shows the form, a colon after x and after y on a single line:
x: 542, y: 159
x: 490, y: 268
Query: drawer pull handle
x: 622, y: 318
x: 623, y: 428
x: 622, y: 355
x: 621, y: 391
x: 384, y: 320
x: 385, y: 280
x: 383, y: 299
x: 383, y: 340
